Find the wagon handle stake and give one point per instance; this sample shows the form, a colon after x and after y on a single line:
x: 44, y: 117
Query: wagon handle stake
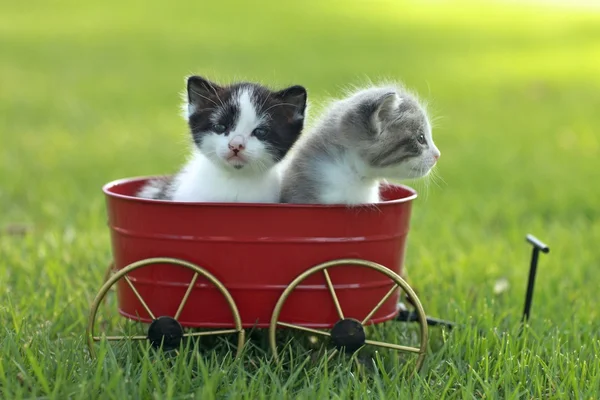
x: 537, y: 247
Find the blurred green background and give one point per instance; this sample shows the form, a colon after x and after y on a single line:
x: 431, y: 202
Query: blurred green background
x: 91, y: 92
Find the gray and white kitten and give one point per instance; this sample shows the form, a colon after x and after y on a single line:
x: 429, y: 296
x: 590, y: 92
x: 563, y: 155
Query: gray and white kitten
x: 376, y: 134
x: 240, y: 133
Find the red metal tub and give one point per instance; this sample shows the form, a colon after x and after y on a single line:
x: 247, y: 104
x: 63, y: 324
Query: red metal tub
x: 255, y: 251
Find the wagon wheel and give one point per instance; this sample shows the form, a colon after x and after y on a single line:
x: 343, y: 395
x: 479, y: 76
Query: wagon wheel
x: 165, y: 330
x: 109, y: 271
x: 348, y: 333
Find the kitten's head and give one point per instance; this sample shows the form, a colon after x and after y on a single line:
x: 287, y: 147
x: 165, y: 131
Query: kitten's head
x: 244, y: 126
x: 394, y: 133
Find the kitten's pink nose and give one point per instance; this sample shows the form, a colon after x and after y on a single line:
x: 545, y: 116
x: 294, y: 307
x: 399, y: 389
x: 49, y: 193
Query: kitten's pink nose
x: 237, y: 143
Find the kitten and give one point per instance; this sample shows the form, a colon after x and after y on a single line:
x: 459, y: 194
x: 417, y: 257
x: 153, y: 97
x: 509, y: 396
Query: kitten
x: 240, y: 133
x: 376, y: 134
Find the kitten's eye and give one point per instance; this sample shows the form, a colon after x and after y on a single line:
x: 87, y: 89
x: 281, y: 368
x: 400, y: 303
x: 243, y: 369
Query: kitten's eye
x: 218, y: 128
x: 421, y: 139
x: 260, y: 133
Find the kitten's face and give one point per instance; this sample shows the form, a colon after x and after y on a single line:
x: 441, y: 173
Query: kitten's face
x: 244, y: 126
x: 398, y: 143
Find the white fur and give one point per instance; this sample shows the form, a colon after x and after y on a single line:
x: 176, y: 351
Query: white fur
x: 201, y: 180
x: 347, y: 181
x: 151, y: 189
x: 216, y: 147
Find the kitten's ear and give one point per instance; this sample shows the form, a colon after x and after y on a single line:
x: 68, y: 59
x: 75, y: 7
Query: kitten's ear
x: 386, y: 107
x: 295, y: 95
x: 201, y: 91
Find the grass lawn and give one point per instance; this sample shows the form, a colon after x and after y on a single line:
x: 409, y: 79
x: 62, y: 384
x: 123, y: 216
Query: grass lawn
x: 89, y: 93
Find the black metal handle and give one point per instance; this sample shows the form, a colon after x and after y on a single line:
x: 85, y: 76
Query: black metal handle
x: 538, y: 246
x: 537, y: 243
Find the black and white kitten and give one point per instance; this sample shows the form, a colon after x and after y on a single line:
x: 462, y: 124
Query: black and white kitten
x: 240, y: 133
x: 381, y: 133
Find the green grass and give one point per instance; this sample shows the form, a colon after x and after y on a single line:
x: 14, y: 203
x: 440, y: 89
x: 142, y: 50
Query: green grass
x: 89, y: 92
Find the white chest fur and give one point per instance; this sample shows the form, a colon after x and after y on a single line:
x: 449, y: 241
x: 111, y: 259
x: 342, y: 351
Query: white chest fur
x: 202, y: 181
x: 344, y: 182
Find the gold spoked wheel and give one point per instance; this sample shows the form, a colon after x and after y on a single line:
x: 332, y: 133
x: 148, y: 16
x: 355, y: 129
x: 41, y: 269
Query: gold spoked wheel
x: 165, y: 330
x: 109, y: 271
x: 107, y: 274
x: 349, y: 333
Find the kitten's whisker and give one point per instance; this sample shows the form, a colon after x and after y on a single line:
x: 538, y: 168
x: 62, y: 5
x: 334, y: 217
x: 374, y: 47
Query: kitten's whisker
x: 216, y: 94
x: 436, y: 118
x: 437, y: 178
x: 204, y: 97
x: 433, y: 178
x: 441, y: 178
x: 280, y: 104
x: 265, y: 101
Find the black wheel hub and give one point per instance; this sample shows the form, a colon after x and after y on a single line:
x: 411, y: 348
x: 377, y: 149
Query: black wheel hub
x: 349, y: 334
x: 165, y: 331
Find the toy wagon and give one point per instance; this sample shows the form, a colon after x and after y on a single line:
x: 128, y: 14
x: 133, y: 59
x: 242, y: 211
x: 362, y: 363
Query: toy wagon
x: 329, y: 270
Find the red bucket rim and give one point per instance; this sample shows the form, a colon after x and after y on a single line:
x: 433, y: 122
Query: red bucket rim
x: 108, y: 186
